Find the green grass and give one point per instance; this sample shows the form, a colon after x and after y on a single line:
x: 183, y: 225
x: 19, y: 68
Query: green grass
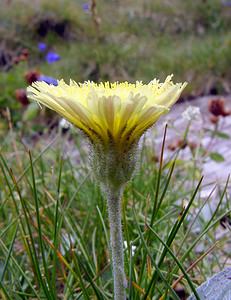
x: 54, y: 228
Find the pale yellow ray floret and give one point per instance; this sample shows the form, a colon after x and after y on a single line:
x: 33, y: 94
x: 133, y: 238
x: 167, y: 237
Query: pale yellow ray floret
x: 117, y: 113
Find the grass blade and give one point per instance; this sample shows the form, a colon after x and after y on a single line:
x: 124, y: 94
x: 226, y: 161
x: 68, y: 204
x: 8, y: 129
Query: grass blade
x: 177, y: 262
x: 8, y: 255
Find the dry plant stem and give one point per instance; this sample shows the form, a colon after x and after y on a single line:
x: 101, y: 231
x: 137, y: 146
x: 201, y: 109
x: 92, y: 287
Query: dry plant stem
x: 114, y: 212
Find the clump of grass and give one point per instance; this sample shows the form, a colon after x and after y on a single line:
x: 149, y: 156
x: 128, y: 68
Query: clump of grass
x: 54, y: 237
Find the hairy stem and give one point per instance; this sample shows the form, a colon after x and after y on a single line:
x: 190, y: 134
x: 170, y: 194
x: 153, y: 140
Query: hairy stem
x: 116, y: 238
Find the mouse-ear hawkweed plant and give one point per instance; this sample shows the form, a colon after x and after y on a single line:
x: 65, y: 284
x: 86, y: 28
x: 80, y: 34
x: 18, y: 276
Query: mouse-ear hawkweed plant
x: 113, y: 116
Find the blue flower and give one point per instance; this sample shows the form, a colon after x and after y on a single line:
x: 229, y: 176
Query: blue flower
x: 226, y: 3
x: 48, y: 80
x: 42, y: 47
x: 52, y: 57
x: 86, y: 7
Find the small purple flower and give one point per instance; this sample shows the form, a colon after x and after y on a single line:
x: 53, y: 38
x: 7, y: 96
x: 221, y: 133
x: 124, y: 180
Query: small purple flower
x: 42, y: 47
x: 86, y: 7
x: 52, y: 57
x: 48, y: 80
x: 226, y: 3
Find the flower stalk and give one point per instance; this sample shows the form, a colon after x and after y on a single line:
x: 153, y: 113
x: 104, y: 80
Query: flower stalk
x: 113, y: 169
x: 116, y: 240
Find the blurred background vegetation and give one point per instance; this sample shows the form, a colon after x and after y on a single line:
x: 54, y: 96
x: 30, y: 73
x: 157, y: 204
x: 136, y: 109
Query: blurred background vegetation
x: 115, y: 40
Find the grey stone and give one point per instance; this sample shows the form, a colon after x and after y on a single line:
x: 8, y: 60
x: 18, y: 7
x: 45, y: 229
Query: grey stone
x: 218, y: 287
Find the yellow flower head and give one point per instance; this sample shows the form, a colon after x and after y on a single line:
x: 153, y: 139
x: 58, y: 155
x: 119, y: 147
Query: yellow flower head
x: 109, y: 113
